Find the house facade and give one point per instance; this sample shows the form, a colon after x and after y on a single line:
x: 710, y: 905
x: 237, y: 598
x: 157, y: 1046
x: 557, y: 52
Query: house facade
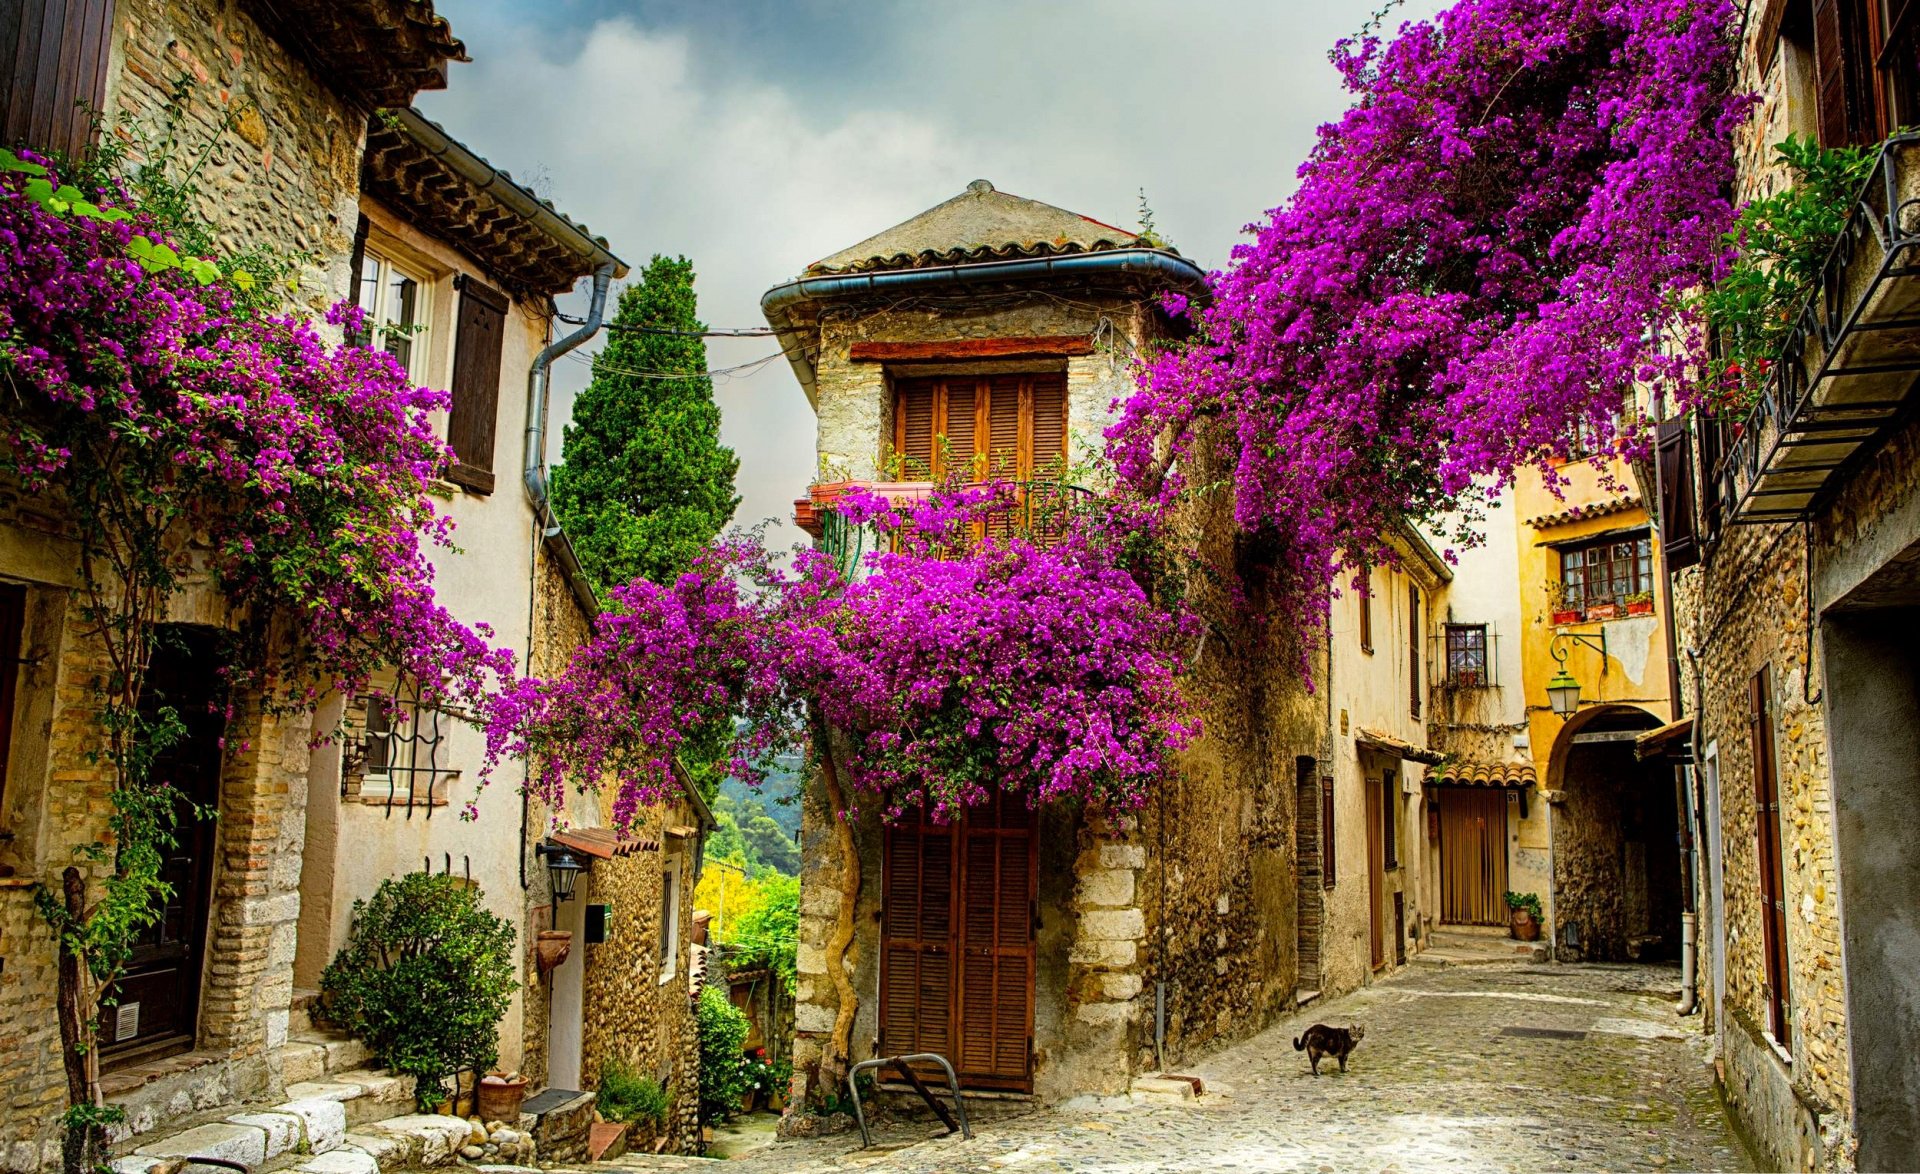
x: 1791, y: 524
x: 1057, y: 952
x: 281, y: 97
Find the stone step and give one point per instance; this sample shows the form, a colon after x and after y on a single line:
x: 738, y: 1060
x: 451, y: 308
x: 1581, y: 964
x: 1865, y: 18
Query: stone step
x: 314, y: 1055
x: 366, y: 1094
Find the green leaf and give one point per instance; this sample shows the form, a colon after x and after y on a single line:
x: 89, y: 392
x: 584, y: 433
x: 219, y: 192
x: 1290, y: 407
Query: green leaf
x: 12, y: 162
x: 242, y: 280
x: 39, y: 190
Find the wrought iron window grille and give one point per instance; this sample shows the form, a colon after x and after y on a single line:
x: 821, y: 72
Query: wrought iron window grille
x: 399, y: 747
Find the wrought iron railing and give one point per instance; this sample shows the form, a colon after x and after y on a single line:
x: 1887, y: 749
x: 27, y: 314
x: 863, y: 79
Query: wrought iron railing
x: 1848, y: 368
x: 1040, y: 510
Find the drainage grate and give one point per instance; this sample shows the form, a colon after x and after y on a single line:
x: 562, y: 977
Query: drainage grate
x: 1543, y: 1032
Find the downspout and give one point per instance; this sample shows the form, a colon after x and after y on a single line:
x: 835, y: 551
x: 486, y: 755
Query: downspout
x: 1689, y: 851
x: 1689, y: 919
x: 534, y: 477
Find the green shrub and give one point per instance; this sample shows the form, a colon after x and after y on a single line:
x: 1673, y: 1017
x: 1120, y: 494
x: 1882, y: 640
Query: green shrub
x: 1528, y: 901
x: 626, y: 1095
x: 724, y: 1079
x: 423, y: 980
x: 768, y: 933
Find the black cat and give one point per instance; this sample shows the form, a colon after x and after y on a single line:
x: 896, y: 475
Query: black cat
x: 1322, y: 1040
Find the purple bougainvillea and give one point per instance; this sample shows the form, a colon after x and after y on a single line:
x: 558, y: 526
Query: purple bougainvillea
x: 1482, y: 257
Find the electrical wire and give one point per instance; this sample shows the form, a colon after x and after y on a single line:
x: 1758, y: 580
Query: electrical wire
x: 739, y: 369
x: 741, y: 332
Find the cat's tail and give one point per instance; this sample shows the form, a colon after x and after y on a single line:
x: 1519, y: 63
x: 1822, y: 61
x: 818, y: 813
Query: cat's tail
x: 1298, y: 1045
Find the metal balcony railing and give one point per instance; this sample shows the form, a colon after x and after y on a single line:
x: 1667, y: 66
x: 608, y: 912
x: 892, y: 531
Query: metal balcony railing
x: 1849, y: 367
x: 1040, y: 510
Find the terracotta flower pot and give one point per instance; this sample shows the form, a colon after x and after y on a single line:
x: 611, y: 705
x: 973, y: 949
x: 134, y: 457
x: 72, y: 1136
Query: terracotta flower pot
x: 1643, y: 607
x: 1569, y: 616
x: 551, y: 948
x: 500, y: 1097
x: 1603, y: 611
x: 1525, y: 928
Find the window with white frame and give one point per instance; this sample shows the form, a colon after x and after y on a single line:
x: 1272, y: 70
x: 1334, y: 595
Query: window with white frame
x: 396, y: 302
x: 669, y: 918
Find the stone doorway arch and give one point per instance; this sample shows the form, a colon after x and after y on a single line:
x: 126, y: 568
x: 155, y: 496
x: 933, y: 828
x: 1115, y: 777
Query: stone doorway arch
x: 1616, y: 821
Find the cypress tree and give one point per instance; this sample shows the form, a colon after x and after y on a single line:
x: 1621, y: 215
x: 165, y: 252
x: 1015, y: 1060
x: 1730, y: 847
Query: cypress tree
x: 644, y: 480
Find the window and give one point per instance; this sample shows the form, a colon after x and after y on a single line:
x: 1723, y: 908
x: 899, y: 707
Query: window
x: 1468, y: 665
x: 1012, y: 427
x: 1766, y: 821
x: 1414, y: 683
x: 396, y: 304
x: 1389, y: 822
x: 1610, y: 571
x: 399, y: 759
x: 1326, y: 830
x: 1865, y: 61
x: 669, y: 918
x: 13, y: 624
x: 1366, y: 609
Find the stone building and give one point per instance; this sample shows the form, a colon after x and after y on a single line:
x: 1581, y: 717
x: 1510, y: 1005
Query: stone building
x: 1792, y: 527
x: 1366, y: 879
x: 1033, y: 948
x: 205, y: 1011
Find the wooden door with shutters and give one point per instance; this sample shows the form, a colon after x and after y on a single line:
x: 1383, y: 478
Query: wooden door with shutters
x: 1376, y: 872
x: 1766, y: 821
x: 1473, y: 856
x: 1008, y: 427
x: 957, y: 949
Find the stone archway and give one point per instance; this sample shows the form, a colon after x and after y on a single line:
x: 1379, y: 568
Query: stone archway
x: 1616, y: 864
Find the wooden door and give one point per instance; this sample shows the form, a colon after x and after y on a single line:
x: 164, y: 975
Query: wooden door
x: 1766, y: 824
x: 1376, y: 872
x: 158, y: 999
x: 1473, y: 856
x: 957, y: 950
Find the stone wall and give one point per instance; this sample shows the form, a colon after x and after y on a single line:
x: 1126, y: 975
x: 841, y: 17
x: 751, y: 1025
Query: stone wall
x: 282, y: 149
x: 632, y: 1014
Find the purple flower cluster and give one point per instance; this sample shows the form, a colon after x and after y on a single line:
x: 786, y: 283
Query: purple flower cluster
x: 300, y: 468
x: 1483, y: 256
x: 954, y: 664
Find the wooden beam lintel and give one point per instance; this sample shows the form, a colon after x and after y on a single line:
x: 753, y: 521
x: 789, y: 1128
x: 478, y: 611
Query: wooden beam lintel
x: 948, y: 350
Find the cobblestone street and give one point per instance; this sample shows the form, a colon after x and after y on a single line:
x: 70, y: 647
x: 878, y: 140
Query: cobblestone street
x: 1458, y: 1071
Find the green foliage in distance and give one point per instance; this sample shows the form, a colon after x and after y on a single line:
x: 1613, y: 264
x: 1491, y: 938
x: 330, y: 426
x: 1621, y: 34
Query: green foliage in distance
x: 424, y: 978
x: 644, y: 482
x: 766, y: 935
x: 724, y: 1078
x: 750, y: 834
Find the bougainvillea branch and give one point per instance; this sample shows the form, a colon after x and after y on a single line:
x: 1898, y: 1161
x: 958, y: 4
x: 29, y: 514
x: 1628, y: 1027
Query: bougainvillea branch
x: 1483, y: 256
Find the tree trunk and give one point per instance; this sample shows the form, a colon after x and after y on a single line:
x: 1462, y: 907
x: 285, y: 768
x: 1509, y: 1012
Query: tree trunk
x: 838, y: 1057
x: 85, y: 1146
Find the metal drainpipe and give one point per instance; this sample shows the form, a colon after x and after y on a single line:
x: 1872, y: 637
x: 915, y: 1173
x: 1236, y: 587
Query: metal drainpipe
x: 534, y: 477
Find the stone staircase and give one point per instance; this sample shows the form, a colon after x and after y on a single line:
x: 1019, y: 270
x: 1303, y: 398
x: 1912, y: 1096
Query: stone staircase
x: 338, y: 1116
x: 1476, y: 945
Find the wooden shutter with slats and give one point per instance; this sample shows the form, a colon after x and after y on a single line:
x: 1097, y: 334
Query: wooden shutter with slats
x: 1049, y: 446
x: 13, y: 624
x: 1679, y: 535
x: 479, y: 336
x: 957, y: 942
x: 1012, y: 427
x: 55, y: 54
x: 1766, y: 822
x: 1002, y: 441
x: 916, y: 996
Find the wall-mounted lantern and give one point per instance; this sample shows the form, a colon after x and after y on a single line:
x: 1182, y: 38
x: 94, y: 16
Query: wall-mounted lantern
x: 563, y: 870
x: 1563, y: 691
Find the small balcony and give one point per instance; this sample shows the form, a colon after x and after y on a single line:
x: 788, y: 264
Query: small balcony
x: 1848, y: 369
x: 1039, y: 510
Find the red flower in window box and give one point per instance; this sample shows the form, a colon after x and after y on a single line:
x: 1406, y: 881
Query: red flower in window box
x: 1570, y: 615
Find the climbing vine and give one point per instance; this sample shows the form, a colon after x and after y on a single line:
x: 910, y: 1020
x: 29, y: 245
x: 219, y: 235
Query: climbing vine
x: 190, y: 436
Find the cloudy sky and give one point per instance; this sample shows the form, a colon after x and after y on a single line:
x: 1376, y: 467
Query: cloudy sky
x: 755, y: 136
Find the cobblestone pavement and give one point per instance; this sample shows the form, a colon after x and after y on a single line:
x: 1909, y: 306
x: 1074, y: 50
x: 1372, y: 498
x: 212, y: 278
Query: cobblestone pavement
x: 1439, y: 1083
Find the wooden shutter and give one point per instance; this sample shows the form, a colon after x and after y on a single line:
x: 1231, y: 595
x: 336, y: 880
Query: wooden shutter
x: 1829, y: 74
x: 478, y: 338
x: 1679, y: 533
x: 913, y: 427
x: 13, y: 624
x: 1413, y: 650
x: 55, y: 52
x: 1000, y: 446
x: 1389, y: 820
x: 960, y: 424
x: 998, y: 884
x: 1049, y: 449
x: 1376, y: 875
x: 1766, y: 820
x: 1326, y: 831
x: 916, y: 995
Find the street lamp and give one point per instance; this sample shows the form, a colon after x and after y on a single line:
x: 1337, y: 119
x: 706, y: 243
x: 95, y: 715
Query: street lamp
x: 1563, y: 691
x: 563, y: 869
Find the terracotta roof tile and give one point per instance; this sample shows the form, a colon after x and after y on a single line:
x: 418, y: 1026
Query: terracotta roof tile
x: 1582, y: 513
x: 979, y: 224
x: 384, y: 51
x: 1483, y: 774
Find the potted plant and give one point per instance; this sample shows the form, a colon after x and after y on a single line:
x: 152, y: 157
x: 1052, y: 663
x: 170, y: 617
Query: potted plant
x: 1603, y: 611
x: 1640, y: 603
x: 1563, y: 609
x: 501, y: 1094
x: 1526, y: 916
x: 782, y: 1082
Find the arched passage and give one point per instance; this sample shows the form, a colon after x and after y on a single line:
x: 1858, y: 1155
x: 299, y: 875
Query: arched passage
x: 1616, y: 864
